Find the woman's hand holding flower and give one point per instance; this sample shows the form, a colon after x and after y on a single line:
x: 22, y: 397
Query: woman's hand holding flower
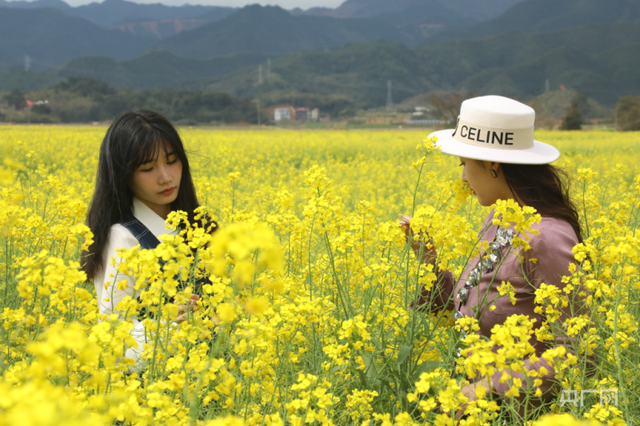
x: 425, y: 251
x: 183, y: 310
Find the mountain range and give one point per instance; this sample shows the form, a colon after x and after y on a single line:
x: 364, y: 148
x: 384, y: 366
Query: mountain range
x: 155, y: 69
x: 537, y: 16
x: 271, y: 29
x: 420, y: 18
x: 600, y: 60
x: 49, y: 37
x: 587, y: 45
x: 475, y: 10
x: 114, y: 12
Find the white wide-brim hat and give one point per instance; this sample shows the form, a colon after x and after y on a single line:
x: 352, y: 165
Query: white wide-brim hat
x: 495, y: 128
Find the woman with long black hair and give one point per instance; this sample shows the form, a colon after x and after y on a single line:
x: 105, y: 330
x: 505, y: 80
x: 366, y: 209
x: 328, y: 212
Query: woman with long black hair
x: 494, y: 140
x: 143, y: 175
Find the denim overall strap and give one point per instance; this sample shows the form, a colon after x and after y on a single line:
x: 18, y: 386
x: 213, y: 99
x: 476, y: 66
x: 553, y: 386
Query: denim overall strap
x: 145, y: 237
x: 147, y: 241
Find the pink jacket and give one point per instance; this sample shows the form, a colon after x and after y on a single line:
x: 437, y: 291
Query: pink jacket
x: 552, y: 249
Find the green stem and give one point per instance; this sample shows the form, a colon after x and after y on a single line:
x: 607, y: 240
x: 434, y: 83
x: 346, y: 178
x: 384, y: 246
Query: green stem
x: 335, y: 277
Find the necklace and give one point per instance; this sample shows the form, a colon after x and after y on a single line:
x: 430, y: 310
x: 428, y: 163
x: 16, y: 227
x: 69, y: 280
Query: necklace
x: 487, y: 262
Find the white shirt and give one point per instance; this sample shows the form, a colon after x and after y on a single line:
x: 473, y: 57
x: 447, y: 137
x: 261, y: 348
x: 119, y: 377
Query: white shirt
x: 105, y: 281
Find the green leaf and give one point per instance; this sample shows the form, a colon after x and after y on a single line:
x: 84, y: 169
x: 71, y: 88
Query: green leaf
x: 403, y: 353
x: 425, y: 367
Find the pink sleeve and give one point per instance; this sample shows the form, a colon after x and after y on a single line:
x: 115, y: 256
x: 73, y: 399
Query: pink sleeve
x: 441, y: 294
x: 439, y: 297
x: 552, y: 249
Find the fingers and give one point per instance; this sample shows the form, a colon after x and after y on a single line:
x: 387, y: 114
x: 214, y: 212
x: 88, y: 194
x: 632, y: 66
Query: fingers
x: 404, y: 219
x: 405, y: 223
x: 193, y: 301
x: 183, y: 310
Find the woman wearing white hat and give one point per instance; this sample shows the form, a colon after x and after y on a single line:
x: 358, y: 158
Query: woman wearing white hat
x: 495, y: 143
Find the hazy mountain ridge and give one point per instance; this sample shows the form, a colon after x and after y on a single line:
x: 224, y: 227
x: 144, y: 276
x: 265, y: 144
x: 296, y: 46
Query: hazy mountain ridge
x: 50, y: 37
x: 535, y: 16
x: 480, y: 10
x: 112, y: 12
x: 36, y: 4
x: 477, y: 10
x: 420, y: 18
x: 273, y: 30
x: 599, y: 59
x: 7, y: 61
x: 158, y: 30
x: 156, y: 69
x: 513, y: 64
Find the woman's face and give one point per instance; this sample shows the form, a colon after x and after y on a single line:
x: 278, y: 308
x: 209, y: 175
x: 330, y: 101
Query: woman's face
x: 157, y: 183
x: 483, y: 185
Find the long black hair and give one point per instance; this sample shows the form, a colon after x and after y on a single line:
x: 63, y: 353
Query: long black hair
x: 134, y: 138
x: 544, y: 187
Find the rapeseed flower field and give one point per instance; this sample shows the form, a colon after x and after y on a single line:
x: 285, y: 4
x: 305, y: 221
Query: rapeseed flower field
x: 306, y: 317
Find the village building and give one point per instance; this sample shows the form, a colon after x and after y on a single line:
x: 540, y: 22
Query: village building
x: 282, y: 113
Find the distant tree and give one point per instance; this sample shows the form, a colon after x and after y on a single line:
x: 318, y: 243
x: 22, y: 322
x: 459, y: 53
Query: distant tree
x: 85, y: 86
x: 628, y: 113
x: 41, y: 109
x: 447, y: 107
x: 15, y: 98
x: 573, y: 119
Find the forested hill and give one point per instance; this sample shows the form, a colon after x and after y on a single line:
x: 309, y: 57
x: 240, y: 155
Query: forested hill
x: 50, y: 37
x: 514, y: 64
x: 112, y: 12
x: 156, y: 69
x: 473, y: 10
x: 599, y: 60
x: 327, y: 56
x: 535, y: 16
x: 6, y: 61
x: 271, y: 29
x: 420, y: 18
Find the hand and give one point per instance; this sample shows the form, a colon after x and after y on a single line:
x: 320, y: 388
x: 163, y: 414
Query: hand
x: 183, y: 310
x: 429, y: 254
x: 470, y: 392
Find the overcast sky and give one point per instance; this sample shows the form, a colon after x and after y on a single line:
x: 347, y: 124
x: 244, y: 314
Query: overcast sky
x: 286, y: 4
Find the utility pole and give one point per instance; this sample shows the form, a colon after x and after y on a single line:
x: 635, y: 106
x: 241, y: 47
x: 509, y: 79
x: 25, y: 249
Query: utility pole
x: 389, y: 98
x: 260, y: 81
x: 258, y: 110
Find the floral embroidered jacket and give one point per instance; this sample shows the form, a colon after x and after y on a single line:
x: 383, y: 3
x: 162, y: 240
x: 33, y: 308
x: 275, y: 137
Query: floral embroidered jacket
x: 547, y: 261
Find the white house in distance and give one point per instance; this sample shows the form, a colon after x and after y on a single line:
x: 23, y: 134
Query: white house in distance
x: 289, y: 113
x: 282, y: 113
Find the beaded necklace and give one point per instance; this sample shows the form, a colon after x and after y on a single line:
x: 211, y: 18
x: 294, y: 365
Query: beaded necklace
x: 487, y: 262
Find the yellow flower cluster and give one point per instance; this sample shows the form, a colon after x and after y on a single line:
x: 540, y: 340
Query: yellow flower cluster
x: 305, y: 312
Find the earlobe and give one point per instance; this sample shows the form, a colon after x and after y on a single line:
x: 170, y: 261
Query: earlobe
x: 493, y: 169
